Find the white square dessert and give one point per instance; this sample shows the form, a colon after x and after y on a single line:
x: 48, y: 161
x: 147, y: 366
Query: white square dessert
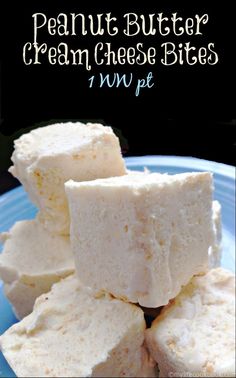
x: 48, y: 156
x: 71, y: 333
x: 141, y: 236
x: 31, y: 261
x: 194, y: 335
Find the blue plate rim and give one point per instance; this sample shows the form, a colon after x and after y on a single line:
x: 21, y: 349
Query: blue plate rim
x: 184, y: 162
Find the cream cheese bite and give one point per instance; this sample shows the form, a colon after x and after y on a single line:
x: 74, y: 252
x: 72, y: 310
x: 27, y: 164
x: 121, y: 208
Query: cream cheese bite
x: 46, y: 157
x: 31, y: 261
x: 72, y: 333
x: 214, y: 251
x: 141, y: 236
x: 195, y: 334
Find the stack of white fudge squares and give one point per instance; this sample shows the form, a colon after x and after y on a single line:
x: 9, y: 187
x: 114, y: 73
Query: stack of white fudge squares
x: 105, y: 242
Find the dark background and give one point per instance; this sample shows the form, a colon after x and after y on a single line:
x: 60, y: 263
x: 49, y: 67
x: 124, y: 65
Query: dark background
x: 190, y: 110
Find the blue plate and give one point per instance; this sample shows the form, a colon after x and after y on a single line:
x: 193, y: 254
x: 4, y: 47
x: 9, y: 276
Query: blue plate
x: 15, y: 206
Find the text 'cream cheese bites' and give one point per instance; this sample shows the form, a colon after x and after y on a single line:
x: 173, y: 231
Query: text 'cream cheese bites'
x: 194, y: 336
x: 31, y: 261
x: 141, y: 237
x: 71, y: 333
x: 46, y: 157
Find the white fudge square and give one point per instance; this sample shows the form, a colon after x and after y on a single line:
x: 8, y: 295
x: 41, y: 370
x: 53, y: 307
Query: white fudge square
x: 46, y: 157
x: 71, y: 333
x: 195, y: 334
x: 31, y: 261
x: 141, y: 236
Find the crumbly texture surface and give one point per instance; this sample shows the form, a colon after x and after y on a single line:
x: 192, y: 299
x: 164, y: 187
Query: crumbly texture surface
x: 31, y: 261
x: 195, y: 333
x: 141, y: 236
x: 215, y: 252
x: 72, y: 333
x: 48, y: 156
